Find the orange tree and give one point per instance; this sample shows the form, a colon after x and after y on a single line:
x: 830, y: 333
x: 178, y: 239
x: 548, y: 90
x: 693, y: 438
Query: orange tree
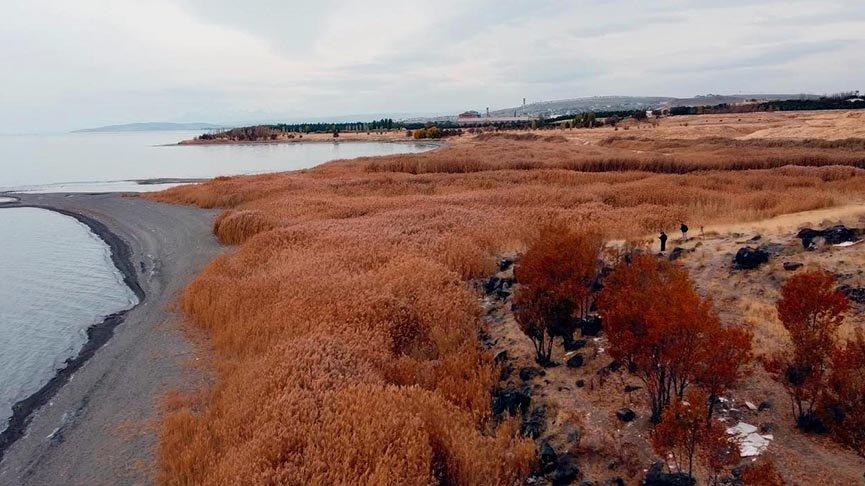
x: 555, y: 278
x: 723, y: 362
x: 663, y: 330
x: 811, y: 309
x: 845, y: 394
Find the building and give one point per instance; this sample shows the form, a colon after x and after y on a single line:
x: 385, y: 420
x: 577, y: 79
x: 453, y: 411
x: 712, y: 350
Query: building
x: 470, y: 114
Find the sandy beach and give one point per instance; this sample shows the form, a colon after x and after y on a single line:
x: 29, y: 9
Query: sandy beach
x: 94, y: 423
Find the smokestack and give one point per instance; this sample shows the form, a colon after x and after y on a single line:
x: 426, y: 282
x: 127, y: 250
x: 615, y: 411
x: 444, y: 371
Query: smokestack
x: 488, y: 112
x: 524, y: 102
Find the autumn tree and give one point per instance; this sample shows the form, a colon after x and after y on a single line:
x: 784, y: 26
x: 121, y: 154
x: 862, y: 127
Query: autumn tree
x: 723, y: 362
x: 844, y: 402
x: 811, y: 309
x: 762, y: 473
x: 658, y: 326
x: 683, y: 434
x: 555, y: 279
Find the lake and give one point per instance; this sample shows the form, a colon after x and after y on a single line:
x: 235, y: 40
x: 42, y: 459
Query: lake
x: 105, y: 162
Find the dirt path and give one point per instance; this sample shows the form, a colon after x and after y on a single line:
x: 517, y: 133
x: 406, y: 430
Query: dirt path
x: 99, y: 427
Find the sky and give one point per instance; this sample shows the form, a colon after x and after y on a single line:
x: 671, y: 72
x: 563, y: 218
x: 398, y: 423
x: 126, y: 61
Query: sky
x: 70, y: 64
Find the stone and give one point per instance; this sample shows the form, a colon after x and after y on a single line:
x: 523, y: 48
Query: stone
x: 548, y: 457
x: 575, y: 344
x: 616, y: 481
x: 533, y: 425
x: 834, y: 235
x: 581, y: 383
x: 575, y: 361
x: 632, y: 388
x: 626, y: 415
x: 511, y: 399
x: 792, y: 266
x: 657, y: 477
x: 529, y: 372
x: 505, y: 263
x: 566, y: 471
x: 591, y: 326
x: 856, y: 294
x: 499, y: 287
x: 764, y: 405
x: 748, y: 258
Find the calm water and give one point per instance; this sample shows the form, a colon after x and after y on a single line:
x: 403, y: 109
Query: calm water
x: 56, y: 279
x: 56, y: 276
x: 86, y: 161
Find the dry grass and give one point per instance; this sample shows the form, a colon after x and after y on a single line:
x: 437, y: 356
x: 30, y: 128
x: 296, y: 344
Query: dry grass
x: 344, y: 335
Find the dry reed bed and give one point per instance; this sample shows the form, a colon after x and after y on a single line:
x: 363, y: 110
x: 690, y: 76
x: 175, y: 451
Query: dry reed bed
x: 344, y: 335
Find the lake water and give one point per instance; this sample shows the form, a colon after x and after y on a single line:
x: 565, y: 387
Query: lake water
x: 105, y: 162
x: 56, y: 280
x: 56, y: 276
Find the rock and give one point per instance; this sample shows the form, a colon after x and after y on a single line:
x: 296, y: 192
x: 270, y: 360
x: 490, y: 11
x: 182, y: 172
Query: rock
x: 679, y: 252
x: 792, y: 266
x: 856, y: 294
x: 533, y: 425
x: 811, y: 423
x: 500, y: 287
x: 614, y: 366
x: 505, y: 263
x: 575, y: 344
x: 751, y: 442
x: 548, y: 457
x: 575, y: 361
x: 591, y: 326
x: 657, y: 477
x: 632, y: 388
x: 512, y: 400
x: 501, y: 357
x: 581, y: 383
x: 566, y: 471
x: 756, y: 238
x: 616, y: 481
x: 748, y: 258
x: 764, y: 405
x: 833, y: 236
x: 529, y: 372
x: 626, y: 415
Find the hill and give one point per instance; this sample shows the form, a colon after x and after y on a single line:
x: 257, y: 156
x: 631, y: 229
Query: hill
x: 150, y: 126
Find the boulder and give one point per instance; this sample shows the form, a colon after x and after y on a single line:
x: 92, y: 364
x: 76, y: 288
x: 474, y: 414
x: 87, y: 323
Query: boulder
x: 856, y: 294
x: 505, y: 263
x: 833, y: 236
x: 566, y: 471
x: 575, y: 361
x: 657, y: 477
x: 626, y: 415
x: 548, y: 457
x: 748, y: 258
x: 616, y: 481
x: 575, y: 344
x: 499, y: 287
x: 511, y: 399
x: 529, y: 372
x: 591, y: 326
x: 679, y: 252
x: 580, y: 383
x: 764, y: 405
x: 533, y: 425
x: 792, y: 266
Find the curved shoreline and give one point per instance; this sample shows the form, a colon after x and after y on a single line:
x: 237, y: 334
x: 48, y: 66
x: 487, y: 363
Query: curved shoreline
x: 97, y: 334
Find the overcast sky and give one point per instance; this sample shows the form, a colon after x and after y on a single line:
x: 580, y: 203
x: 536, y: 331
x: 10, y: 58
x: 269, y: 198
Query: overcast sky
x: 77, y: 63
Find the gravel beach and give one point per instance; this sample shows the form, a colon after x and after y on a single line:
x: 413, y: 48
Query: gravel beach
x: 96, y: 422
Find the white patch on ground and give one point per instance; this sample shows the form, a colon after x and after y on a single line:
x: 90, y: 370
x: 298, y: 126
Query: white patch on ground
x: 751, y: 442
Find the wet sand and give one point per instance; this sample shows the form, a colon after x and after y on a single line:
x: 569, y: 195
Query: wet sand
x: 94, y: 423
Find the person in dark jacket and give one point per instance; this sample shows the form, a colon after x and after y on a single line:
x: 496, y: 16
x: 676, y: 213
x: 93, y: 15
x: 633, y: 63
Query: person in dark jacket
x: 684, y: 229
x: 663, y: 239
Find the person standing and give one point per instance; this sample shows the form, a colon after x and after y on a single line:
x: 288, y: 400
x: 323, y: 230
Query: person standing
x: 663, y: 239
x: 684, y: 229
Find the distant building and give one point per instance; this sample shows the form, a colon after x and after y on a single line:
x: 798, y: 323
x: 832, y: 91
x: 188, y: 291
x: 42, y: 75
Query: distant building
x: 470, y: 114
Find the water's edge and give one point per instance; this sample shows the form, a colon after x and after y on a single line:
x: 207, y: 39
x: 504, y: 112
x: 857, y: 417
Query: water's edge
x: 97, y: 335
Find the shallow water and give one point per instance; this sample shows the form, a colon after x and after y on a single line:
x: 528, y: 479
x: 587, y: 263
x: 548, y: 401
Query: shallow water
x: 48, y: 163
x: 56, y: 280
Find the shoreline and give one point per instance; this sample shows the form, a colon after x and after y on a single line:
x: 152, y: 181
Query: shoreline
x: 92, y: 423
x: 402, y: 140
x: 98, y: 334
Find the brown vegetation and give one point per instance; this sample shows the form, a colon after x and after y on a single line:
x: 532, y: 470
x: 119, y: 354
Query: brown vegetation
x: 344, y: 334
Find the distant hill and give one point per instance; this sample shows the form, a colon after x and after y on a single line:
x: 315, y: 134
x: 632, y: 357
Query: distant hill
x: 151, y: 126
x: 623, y: 103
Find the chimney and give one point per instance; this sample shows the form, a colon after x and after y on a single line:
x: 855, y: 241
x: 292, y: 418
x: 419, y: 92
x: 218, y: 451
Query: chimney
x: 488, y: 112
x: 524, y: 102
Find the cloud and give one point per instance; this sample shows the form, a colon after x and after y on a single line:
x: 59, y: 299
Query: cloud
x: 91, y: 62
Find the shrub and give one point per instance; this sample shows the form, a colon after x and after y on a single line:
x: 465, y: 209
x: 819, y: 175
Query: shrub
x: 761, y: 473
x: 658, y: 326
x: 845, y: 394
x: 811, y: 310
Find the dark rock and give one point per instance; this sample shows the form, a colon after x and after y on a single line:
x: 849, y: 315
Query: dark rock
x: 533, y: 425
x: 626, y: 415
x: 591, y: 326
x: 566, y: 471
x: 834, y: 235
x: 756, y: 238
x: 632, y: 388
x: 575, y: 361
x: 657, y: 477
x: 764, y: 405
x: 512, y: 400
x: 856, y: 294
x: 529, y: 372
x: 748, y: 258
x: 548, y: 457
x: 505, y: 263
x: 616, y: 481
x: 811, y: 423
x: 791, y: 266
x: 500, y: 287
x: 581, y: 383
x: 575, y: 344
x: 501, y: 357
x: 767, y: 428
x: 679, y: 252
x: 614, y: 366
